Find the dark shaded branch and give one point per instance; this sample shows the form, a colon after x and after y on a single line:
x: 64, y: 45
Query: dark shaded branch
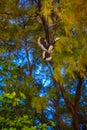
x: 78, y: 92
x: 57, y: 114
x: 54, y: 19
x: 16, y: 111
x: 6, y: 13
x: 67, y: 101
x: 42, y: 117
x: 83, y: 120
x: 44, y: 21
x: 29, y: 64
x: 46, y: 28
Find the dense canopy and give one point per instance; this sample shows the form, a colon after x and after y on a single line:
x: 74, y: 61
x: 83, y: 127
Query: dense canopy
x: 36, y: 94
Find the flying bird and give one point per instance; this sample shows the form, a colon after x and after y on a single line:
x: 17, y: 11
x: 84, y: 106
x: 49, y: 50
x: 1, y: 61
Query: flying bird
x: 47, y: 48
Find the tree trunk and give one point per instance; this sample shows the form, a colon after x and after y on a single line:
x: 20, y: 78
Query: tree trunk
x: 57, y: 115
x: 75, y: 122
x: 42, y: 117
x: 59, y: 125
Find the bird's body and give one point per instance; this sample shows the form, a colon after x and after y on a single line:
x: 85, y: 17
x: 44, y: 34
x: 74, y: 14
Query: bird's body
x: 46, y: 56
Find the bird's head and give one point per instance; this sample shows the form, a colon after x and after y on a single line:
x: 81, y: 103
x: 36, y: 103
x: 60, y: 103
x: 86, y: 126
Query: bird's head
x: 56, y: 39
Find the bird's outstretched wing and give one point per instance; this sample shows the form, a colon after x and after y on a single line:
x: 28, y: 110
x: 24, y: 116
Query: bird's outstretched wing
x: 42, y: 43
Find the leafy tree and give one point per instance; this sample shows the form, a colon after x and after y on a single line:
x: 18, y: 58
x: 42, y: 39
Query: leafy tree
x: 26, y: 103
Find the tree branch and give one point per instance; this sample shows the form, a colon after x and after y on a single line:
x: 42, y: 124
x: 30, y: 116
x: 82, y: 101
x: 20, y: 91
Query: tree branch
x: 16, y: 111
x: 54, y: 19
x: 78, y: 92
x: 44, y: 21
x: 29, y: 64
x: 67, y: 101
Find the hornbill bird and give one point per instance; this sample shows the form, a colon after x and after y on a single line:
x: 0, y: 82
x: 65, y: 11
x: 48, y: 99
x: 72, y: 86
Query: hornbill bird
x: 47, y: 48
